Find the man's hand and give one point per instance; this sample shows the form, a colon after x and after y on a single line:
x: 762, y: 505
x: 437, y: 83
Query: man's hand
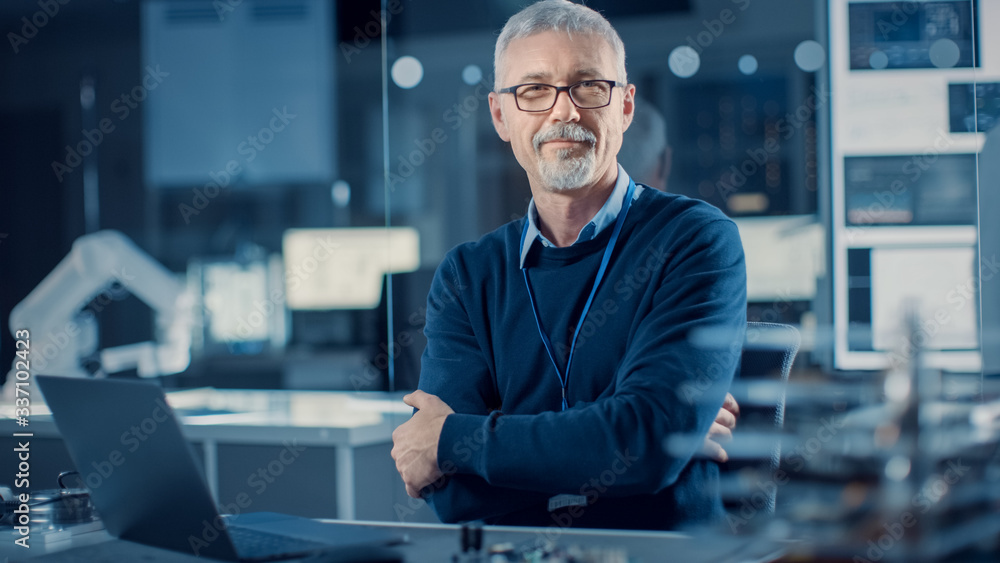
x: 721, y: 431
x: 415, y: 442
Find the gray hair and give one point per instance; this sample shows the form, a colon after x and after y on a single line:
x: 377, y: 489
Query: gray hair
x: 557, y: 15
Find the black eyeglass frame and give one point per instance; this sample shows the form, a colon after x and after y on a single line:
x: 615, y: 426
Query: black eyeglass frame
x: 513, y: 90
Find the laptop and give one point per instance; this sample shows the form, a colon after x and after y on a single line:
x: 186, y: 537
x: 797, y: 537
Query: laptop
x: 148, y: 487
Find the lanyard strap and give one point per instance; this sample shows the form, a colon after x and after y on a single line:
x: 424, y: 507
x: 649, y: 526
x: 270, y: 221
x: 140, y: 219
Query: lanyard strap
x: 608, y: 250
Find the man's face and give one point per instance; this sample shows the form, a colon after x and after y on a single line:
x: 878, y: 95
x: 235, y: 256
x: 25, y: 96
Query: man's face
x: 565, y: 147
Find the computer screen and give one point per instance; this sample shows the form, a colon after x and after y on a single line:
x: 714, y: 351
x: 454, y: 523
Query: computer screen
x: 239, y: 305
x: 912, y: 189
x: 900, y: 35
x: 328, y: 269
x: 784, y: 256
x: 973, y: 107
x: 946, y: 324
x: 907, y: 81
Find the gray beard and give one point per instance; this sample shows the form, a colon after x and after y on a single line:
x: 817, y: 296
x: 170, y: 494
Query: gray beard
x: 566, y: 173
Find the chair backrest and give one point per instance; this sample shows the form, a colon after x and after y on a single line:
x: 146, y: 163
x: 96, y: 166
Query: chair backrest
x: 769, y: 351
x: 768, y: 354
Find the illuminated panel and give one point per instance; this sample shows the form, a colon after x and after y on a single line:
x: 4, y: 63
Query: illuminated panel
x: 903, y: 80
x: 343, y: 268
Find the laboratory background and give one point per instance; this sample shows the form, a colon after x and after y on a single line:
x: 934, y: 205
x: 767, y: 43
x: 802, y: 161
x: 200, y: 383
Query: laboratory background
x: 245, y: 201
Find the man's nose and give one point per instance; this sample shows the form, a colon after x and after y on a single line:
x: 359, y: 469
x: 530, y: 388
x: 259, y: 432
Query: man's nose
x: 564, y: 108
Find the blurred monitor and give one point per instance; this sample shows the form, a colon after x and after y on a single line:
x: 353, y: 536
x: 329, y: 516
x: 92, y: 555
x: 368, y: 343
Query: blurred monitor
x: 944, y: 271
x: 329, y: 269
x: 908, y: 35
x: 884, y: 289
x: 784, y: 256
x: 973, y: 107
x: 911, y: 189
x: 240, y: 308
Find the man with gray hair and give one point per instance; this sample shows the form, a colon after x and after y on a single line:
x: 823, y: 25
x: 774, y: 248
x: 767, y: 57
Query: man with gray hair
x: 562, y: 348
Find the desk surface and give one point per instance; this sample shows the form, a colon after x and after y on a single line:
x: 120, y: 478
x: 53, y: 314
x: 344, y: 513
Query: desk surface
x: 438, y: 542
x: 344, y: 422
x: 272, y: 416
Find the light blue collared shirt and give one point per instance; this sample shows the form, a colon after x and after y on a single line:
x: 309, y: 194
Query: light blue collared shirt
x: 605, y: 216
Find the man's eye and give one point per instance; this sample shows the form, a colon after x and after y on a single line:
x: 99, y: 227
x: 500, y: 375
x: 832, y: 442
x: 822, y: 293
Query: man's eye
x: 592, y: 86
x: 533, y: 91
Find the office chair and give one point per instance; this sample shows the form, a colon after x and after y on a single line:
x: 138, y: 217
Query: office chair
x: 769, y: 350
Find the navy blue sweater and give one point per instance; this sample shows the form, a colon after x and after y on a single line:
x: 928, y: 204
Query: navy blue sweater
x: 635, y: 377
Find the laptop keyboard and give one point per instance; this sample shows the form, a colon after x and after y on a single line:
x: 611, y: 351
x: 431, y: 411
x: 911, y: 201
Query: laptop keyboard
x: 263, y: 546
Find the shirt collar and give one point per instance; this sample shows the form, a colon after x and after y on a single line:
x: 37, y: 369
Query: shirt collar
x: 604, y: 217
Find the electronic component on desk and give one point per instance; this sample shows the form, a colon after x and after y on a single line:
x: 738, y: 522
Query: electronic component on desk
x: 65, y: 508
x: 553, y: 553
x: 912, y: 472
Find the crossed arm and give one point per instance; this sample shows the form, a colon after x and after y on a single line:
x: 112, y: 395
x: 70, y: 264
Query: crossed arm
x: 415, y: 442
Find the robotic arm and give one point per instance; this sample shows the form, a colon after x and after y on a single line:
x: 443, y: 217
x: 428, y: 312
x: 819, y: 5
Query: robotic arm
x: 59, y: 338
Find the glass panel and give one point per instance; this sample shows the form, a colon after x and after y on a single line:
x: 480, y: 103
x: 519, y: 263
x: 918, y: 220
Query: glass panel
x: 845, y: 138
x: 976, y: 108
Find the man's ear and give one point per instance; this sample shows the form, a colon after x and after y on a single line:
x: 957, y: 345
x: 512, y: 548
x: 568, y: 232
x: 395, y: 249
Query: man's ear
x: 496, y: 112
x: 628, y: 106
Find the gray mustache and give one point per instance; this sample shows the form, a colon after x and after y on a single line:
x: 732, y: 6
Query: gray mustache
x: 569, y: 131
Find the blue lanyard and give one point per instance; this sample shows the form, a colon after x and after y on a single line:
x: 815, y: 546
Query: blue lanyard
x: 564, y: 377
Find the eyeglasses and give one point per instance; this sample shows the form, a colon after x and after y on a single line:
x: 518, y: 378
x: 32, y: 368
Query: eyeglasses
x: 587, y: 94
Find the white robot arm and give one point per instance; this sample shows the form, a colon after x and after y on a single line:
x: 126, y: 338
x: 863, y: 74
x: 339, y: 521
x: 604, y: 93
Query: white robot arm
x: 58, y: 338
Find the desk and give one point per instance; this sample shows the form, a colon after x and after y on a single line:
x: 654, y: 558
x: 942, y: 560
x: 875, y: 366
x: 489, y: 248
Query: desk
x: 238, y: 432
x: 438, y: 542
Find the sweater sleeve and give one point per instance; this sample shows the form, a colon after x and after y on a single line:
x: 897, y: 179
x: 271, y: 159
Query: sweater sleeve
x: 665, y: 384
x: 455, y: 368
